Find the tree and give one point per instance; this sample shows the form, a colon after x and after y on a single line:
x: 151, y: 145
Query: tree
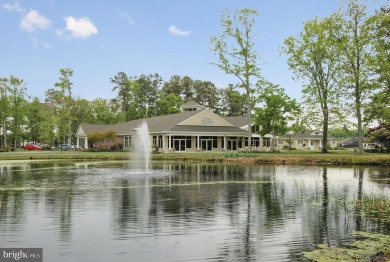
x: 236, y: 53
x: 169, y: 104
x: 51, y: 115
x: 64, y: 103
x: 17, y: 97
x: 136, y: 100
x: 380, y: 134
x: 143, y: 92
x: 314, y: 58
x: 155, y: 83
x: 4, y: 108
x: 378, y: 108
x: 79, y: 111
x: 35, y: 117
x: 277, y: 109
x: 100, y: 112
x: 188, y: 88
x: 232, y: 102
x: 206, y: 94
x: 173, y: 86
x: 354, y: 37
x: 121, y: 82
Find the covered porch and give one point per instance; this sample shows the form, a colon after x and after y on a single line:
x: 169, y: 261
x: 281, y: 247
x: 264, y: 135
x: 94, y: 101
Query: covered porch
x: 170, y: 143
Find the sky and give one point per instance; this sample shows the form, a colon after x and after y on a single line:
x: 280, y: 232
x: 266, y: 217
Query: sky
x: 97, y: 39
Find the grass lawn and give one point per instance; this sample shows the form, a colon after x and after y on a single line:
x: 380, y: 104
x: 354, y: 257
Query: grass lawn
x: 344, y: 157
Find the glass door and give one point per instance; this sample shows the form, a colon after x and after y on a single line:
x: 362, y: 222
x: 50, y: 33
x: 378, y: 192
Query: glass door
x: 232, y: 144
x: 207, y: 144
x: 179, y: 144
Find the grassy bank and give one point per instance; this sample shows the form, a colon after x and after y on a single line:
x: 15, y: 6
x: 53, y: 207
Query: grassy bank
x: 286, y: 157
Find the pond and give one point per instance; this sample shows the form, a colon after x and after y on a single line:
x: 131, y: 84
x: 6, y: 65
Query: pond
x: 106, y: 211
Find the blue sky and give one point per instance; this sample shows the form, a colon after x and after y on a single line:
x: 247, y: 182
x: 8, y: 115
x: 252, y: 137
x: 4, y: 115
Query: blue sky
x: 98, y: 39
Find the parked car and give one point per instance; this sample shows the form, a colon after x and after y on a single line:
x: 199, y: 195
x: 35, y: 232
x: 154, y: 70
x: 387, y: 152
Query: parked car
x: 32, y: 147
x: 64, y: 146
x: 371, y: 146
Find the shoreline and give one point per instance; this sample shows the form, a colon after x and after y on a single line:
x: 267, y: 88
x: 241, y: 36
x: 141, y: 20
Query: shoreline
x: 289, y: 157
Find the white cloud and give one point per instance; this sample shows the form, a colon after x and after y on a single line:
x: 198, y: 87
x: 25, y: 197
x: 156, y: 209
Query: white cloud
x: 126, y: 17
x: 176, y: 31
x: 13, y: 7
x: 33, y: 21
x: 80, y: 27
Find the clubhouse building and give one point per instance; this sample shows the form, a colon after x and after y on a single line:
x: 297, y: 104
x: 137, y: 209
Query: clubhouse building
x: 195, y: 129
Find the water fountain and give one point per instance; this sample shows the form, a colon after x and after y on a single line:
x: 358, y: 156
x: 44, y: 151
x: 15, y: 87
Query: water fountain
x: 142, y: 146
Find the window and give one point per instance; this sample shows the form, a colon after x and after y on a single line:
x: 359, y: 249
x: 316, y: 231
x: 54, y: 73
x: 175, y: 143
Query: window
x: 207, y: 143
x: 206, y: 121
x: 157, y: 140
x: 181, y: 143
x: 255, y: 129
x: 266, y: 142
x: 255, y: 141
x: 127, y: 142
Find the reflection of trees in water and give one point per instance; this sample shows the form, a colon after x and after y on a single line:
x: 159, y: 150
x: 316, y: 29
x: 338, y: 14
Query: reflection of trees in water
x: 12, y: 201
x: 59, y: 203
x: 327, y: 213
x: 252, y: 202
x: 17, y: 198
x: 359, y: 173
x: 255, y: 211
x: 324, y: 211
x: 380, y: 175
x: 11, y: 209
x: 270, y: 196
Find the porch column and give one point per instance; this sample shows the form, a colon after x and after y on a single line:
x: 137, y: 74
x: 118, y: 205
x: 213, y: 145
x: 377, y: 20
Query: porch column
x: 169, y: 141
x: 78, y: 142
x: 163, y: 143
x: 224, y: 142
x: 86, y: 142
x: 198, y: 139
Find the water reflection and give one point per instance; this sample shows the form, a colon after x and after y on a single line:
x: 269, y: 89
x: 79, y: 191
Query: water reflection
x: 80, y: 211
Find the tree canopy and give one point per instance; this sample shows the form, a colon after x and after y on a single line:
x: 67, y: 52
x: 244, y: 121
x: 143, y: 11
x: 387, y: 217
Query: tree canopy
x: 235, y: 49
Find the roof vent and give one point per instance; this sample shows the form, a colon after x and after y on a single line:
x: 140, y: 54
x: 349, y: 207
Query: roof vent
x: 206, y: 121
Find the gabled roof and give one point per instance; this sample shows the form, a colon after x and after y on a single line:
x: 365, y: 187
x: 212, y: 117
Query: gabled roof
x: 239, y: 121
x: 90, y: 128
x: 307, y: 134
x: 205, y: 118
x: 191, y: 121
x: 155, y: 124
x: 350, y: 140
x: 191, y: 104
